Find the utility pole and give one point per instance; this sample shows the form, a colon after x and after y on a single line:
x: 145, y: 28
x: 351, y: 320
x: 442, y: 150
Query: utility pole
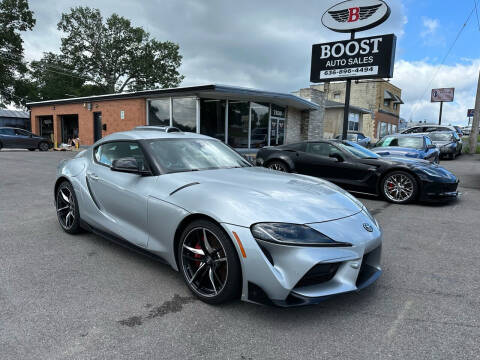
x: 440, y: 116
x: 346, y: 110
x: 476, y: 118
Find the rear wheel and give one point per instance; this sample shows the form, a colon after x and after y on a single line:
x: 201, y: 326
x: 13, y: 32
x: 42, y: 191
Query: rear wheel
x: 67, y: 208
x: 43, y: 146
x: 209, y: 262
x: 399, y: 187
x: 279, y: 166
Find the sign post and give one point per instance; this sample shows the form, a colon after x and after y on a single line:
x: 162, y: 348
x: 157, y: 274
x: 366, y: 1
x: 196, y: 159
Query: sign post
x: 441, y: 96
x: 364, y: 58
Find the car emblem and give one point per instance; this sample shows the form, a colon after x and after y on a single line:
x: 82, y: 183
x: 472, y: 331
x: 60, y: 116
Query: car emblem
x: 368, y: 227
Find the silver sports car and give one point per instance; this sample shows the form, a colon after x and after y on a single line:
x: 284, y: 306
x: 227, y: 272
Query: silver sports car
x: 231, y: 229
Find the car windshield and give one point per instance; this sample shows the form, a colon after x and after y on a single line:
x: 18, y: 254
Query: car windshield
x: 414, y: 142
x: 357, y: 150
x: 177, y: 155
x: 440, y: 136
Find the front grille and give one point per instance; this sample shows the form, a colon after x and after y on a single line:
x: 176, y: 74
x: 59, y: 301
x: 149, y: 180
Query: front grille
x: 450, y: 187
x: 320, y: 273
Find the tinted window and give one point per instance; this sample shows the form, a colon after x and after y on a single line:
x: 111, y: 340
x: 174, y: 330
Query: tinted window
x: 212, y: 118
x: 105, y: 154
x: 357, y: 150
x: 7, y: 132
x: 22, y: 132
x: 322, y: 149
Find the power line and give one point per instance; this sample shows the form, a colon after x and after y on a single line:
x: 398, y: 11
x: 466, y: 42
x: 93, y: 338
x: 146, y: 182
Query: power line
x: 476, y: 11
x: 412, y: 112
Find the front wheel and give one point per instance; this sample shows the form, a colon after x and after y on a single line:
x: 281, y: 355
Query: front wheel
x: 209, y: 263
x: 399, y: 187
x: 278, y: 166
x: 67, y: 208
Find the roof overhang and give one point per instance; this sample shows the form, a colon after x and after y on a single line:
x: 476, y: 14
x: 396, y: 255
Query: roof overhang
x: 213, y: 91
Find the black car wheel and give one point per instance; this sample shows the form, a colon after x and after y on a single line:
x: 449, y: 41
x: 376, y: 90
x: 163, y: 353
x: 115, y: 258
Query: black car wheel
x: 209, y: 263
x: 67, y: 208
x: 279, y: 166
x: 399, y: 187
x: 453, y: 156
x: 43, y: 146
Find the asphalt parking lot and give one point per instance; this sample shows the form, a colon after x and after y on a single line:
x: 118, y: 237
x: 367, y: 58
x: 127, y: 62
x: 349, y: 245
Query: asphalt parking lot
x: 81, y: 297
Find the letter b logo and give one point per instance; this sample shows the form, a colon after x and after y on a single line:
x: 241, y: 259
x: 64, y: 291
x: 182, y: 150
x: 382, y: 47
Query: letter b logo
x: 353, y: 14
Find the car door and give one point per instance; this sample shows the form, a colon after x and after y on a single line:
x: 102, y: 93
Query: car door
x: 8, y: 138
x: 24, y: 139
x: 121, y: 197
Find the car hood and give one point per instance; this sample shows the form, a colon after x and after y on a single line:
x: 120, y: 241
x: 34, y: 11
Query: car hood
x: 244, y: 196
x: 396, y: 150
x: 422, y: 166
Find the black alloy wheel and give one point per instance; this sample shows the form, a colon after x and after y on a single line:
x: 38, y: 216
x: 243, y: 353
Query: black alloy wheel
x: 399, y: 187
x: 209, y: 262
x: 67, y: 208
x: 278, y: 166
x: 43, y: 146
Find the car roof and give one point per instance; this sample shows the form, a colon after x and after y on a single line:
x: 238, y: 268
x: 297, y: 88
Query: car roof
x: 409, y: 135
x: 141, y: 134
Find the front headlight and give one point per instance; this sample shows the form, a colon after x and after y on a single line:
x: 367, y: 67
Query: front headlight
x: 432, y: 172
x: 292, y: 234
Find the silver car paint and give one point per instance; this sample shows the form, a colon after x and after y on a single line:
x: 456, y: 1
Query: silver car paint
x: 143, y: 211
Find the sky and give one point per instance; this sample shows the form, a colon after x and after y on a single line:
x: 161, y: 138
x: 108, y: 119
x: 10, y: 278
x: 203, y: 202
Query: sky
x: 267, y: 44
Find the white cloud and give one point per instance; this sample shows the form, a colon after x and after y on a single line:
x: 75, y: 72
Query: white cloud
x: 414, y: 78
x: 430, y: 26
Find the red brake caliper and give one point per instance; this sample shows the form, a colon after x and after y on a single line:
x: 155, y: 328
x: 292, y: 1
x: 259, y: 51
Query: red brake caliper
x: 197, y: 256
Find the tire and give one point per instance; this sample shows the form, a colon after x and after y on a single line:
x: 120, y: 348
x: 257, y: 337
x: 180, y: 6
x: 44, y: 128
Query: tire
x: 211, y: 269
x: 30, y: 149
x: 66, y: 204
x: 43, y: 146
x: 279, y: 165
x: 453, y: 156
x: 1, y: 146
x: 392, y: 192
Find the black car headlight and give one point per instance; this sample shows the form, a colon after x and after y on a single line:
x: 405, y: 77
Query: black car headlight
x: 293, y: 234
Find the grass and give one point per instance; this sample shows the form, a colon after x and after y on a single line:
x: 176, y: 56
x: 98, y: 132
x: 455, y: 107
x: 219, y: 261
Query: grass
x: 466, y: 145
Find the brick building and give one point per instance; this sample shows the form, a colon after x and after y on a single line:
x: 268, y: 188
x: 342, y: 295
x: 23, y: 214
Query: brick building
x: 380, y: 100
x: 243, y: 118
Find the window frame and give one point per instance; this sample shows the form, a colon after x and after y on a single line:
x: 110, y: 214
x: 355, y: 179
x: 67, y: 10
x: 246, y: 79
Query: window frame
x: 148, y: 159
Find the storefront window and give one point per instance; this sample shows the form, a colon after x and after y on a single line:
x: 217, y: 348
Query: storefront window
x: 353, y: 120
x: 394, y: 129
x: 259, y: 125
x: 238, y: 112
x: 184, y: 114
x: 159, y: 112
x: 382, y: 129
x: 212, y: 118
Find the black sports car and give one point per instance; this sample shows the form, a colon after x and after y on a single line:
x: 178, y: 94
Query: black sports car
x: 356, y: 169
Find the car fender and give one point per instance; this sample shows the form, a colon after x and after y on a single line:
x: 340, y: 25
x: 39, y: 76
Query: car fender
x: 282, y: 157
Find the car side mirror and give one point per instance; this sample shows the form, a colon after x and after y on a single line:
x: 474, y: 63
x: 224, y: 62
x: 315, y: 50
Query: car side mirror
x: 128, y: 165
x: 431, y: 146
x: 337, y: 157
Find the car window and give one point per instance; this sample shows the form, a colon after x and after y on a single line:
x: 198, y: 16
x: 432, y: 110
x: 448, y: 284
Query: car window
x: 415, y: 130
x: 7, y: 132
x: 360, y: 136
x: 322, y: 149
x: 414, y: 142
x: 296, y: 147
x: 106, y: 153
x: 22, y: 132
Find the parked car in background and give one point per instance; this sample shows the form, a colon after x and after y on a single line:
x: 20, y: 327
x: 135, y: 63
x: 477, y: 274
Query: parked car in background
x: 356, y: 169
x: 23, y: 139
x: 357, y: 137
x: 415, y: 146
x: 419, y: 129
x: 448, y: 142
x: 466, y: 130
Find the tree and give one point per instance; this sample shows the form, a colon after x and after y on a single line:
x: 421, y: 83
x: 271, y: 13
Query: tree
x: 114, y: 55
x: 15, y: 17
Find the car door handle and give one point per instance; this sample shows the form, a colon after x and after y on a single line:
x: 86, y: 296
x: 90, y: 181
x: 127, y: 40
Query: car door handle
x: 93, y: 176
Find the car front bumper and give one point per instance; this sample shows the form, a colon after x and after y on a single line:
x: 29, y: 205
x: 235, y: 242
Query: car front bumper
x: 287, y: 276
x: 439, y: 191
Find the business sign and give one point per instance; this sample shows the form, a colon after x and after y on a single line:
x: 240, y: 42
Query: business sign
x: 471, y: 113
x: 442, y: 95
x: 363, y: 58
x: 355, y: 15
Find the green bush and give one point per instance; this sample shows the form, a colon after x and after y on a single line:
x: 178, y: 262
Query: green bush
x: 466, y: 145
